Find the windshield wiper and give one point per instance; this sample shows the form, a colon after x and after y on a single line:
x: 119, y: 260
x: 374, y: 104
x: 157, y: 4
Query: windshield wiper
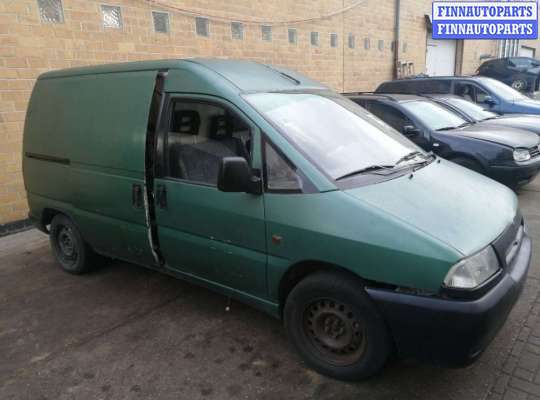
x: 449, y: 128
x: 409, y: 156
x: 372, y: 169
x: 446, y: 128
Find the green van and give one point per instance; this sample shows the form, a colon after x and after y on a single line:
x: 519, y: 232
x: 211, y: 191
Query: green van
x: 270, y: 188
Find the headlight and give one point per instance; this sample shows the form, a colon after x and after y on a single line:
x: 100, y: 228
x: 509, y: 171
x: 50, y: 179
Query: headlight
x: 522, y: 155
x: 473, y: 271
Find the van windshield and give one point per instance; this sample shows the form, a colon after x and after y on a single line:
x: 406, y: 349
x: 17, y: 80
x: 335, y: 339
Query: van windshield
x: 334, y: 132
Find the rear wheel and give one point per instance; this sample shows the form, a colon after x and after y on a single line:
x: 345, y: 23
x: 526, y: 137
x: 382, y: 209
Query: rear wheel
x: 68, y: 246
x: 336, y: 328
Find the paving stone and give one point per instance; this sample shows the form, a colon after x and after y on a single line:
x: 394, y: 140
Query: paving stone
x: 512, y: 394
x: 524, y: 334
x: 524, y: 374
x: 501, y: 384
x: 524, y: 386
x: 532, y: 348
x: 534, y: 340
x: 529, y: 361
x: 510, y: 364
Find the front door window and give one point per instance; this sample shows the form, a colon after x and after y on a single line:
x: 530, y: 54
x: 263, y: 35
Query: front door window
x: 200, y: 135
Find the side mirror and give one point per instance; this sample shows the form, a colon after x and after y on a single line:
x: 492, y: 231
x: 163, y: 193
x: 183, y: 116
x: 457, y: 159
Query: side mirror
x: 235, y: 175
x: 490, y: 101
x: 410, y: 130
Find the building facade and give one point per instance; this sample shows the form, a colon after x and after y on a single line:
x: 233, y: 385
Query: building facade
x: 349, y: 45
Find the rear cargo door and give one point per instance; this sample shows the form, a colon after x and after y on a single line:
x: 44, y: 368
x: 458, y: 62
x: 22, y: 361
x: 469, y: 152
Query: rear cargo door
x: 203, y: 232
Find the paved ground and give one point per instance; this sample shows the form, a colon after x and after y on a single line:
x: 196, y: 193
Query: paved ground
x: 124, y: 332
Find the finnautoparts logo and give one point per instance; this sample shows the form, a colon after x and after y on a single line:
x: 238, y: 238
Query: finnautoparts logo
x: 485, y: 20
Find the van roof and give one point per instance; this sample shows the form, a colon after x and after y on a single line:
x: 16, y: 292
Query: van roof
x: 244, y: 74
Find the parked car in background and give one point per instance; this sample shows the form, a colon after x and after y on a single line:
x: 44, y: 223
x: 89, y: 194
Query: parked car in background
x: 268, y: 187
x: 487, y: 92
x: 521, y: 73
x: 474, y: 113
x: 510, y: 156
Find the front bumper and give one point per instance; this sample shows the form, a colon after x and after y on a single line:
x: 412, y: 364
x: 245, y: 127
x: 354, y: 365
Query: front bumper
x: 516, y: 175
x: 447, y: 331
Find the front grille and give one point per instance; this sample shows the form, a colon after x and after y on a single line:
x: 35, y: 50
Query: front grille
x: 505, y: 245
x: 514, y: 246
x: 535, y: 151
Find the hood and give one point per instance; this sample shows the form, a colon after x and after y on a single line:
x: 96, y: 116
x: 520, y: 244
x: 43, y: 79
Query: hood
x: 526, y: 122
x: 459, y: 207
x: 507, y: 136
x: 533, y: 71
x: 528, y: 106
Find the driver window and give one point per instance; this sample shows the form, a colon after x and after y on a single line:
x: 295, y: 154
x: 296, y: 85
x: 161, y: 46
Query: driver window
x: 481, y: 96
x: 465, y: 90
x: 199, y: 136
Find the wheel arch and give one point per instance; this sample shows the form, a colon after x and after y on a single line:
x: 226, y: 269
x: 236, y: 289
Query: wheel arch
x: 47, y: 215
x: 302, y: 269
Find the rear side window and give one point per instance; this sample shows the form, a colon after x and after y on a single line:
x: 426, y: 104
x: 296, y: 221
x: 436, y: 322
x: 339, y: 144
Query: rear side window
x: 433, y: 86
x: 200, y: 135
x: 392, y: 87
x: 420, y: 86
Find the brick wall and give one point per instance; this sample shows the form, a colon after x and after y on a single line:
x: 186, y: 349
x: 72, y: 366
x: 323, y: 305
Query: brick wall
x: 29, y: 47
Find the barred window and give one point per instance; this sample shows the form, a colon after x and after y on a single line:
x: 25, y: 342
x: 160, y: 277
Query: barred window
x: 333, y: 40
x: 351, y: 41
x: 51, y: 11
x: 201, y: 26
x: 237, y: 30
x: 161, y: 21
x: 293, y: 36
x: 266, y: 31
x: 314, y: 38
x: 380, y: 45
x: 112, y: 16
x: 367, y: 43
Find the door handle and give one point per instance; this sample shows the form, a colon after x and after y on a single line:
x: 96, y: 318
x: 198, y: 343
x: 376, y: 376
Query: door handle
x: 161, y: 196
x: 136, y: 196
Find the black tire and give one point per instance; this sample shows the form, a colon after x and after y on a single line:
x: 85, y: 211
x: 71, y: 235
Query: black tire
x: 468, y: 163
x: 336, y: 328
x: 68, y: 246
x: 519, y: 85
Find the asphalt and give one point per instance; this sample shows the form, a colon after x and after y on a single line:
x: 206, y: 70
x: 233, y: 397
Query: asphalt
x: 124, y: 332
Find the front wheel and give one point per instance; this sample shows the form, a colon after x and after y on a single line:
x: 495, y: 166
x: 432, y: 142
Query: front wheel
x: 519, y: 85
x: 336, y: 328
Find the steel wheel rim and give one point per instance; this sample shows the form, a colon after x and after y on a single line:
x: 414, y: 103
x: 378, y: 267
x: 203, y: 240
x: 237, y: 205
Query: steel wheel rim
x: 66, y: 245
x: 334, y: 331
x: 518, y: 85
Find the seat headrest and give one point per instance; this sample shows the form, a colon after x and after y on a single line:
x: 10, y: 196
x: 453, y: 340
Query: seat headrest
x: 186, y: 121
x: 221, y: 127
